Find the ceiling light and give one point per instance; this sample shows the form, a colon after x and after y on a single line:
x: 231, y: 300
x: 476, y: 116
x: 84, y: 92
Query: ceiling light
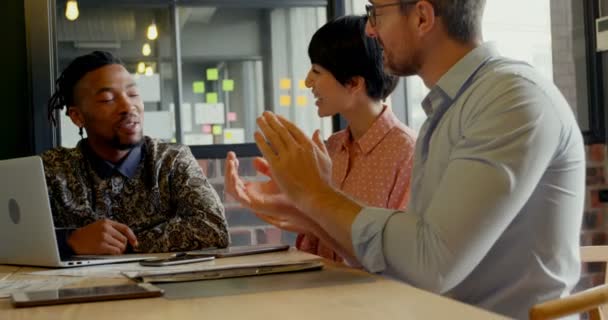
x: 71, y: 10
x: 152, y: 31
x: 146, y: 50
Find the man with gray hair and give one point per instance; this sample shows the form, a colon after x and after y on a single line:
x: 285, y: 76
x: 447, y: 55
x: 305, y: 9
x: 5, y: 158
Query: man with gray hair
x: 498, y: 182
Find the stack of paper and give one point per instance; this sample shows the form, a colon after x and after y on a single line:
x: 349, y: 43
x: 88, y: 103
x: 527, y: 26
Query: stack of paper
x: 257, y: 264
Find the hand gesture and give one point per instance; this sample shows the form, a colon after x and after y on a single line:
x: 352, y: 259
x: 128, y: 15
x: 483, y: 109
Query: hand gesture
x: 102, y: 237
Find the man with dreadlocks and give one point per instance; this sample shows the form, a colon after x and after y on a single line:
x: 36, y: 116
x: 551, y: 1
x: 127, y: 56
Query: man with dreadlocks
x: 118, y: 190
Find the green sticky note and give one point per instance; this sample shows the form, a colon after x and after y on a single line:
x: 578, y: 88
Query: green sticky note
x: 211, y: 97
x: 217, y: 130
x: 212, y: 74
x: 228, y: 85
x: 198, y: 87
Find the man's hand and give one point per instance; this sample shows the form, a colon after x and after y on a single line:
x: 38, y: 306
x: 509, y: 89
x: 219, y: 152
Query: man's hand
x: 300, y: 167
x: 265, y: 199
x: 102, y: 237
x: 259, y: 196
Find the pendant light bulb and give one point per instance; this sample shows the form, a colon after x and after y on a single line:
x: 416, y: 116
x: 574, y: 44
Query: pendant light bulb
x: 71, y: 10
x: 141, y: 67
x: 146, y: 50
x: 152, y: 32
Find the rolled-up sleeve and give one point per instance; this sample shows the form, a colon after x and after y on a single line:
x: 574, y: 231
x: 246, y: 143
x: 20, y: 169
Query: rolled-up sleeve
x: 367, y: 237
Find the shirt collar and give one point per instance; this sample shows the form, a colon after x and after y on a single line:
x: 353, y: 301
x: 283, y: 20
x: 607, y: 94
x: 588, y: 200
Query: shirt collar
x: 370, y: 139
x: 104, y: 169
x: 458, y: 77
x: 453, y: 81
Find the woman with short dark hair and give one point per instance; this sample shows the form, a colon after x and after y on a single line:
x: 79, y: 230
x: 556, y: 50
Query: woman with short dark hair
x: 372, y: 157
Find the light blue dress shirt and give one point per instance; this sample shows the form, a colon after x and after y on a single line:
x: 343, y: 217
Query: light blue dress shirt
x: 497, y: 192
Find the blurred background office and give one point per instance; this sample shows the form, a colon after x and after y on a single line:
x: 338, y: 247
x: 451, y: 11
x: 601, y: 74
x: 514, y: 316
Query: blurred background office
x: 207, y: 68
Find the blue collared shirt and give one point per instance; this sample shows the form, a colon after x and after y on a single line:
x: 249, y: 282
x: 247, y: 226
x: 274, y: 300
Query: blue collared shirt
x: 104, y: 169
x: 497, y: 192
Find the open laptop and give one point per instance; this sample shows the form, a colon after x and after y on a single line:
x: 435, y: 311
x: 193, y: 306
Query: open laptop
x: 27, y: 233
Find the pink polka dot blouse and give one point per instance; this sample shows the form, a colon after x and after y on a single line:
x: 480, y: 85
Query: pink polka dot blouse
x: 375, y: 170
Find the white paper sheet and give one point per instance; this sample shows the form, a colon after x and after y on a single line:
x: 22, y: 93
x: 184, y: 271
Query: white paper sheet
x: 198, y: 139
x: 134, y: 268
x: 9, y: 286
x: 148, y: 86
x: 234, y: 135
x: 255, y: 260
x: 158, y: 124
x: 186, y: 116
x: 110, y: 270
x: 209, y: 113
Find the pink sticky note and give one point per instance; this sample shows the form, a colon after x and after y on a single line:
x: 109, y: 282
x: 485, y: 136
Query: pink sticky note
x: 231, y: 116
x: 206, y: 128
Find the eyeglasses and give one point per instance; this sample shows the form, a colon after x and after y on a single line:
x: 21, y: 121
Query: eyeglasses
x: 370, y: 9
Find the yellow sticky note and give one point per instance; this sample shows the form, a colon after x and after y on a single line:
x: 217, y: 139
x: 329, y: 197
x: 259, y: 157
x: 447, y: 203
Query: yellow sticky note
x: 212, y: 74
x: 228, y: 85
x: 285, y: 101
x: 198, y: 87
x: 211, y: 97
x: 302, y: 101
x: 285, y: 84
x: 228, y: 135
x: 217, y: 129
x: 302, y: 84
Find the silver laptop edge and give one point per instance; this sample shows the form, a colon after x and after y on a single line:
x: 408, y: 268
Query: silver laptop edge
x: 27, y: 232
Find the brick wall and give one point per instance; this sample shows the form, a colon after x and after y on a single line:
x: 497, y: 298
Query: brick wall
x: 595, y: 220
x: 568, y: 75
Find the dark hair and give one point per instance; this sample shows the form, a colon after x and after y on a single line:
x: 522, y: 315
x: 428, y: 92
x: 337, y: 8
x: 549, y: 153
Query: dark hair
x: 64, y: 86
x: 461, y: 18
x: 341, y: 47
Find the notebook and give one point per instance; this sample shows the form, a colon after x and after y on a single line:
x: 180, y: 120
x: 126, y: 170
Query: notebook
x: 239, y: 266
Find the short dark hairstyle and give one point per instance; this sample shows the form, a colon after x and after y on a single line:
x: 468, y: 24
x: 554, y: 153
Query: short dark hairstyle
x: 461, y: 18
x: 341, y: 47
x: 65, y: 84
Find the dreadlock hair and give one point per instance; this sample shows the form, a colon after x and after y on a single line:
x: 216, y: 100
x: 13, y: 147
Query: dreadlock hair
x: 64, y: 86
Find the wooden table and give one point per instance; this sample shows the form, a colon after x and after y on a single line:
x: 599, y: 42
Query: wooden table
x: 333, y: 293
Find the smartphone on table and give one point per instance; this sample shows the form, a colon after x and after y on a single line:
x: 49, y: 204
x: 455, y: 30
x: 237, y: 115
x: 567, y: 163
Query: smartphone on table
x: 178, y: 258
x: 77, y: 295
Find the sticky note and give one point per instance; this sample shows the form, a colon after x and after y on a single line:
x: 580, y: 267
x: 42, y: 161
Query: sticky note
x: 285, y: 101
x: 206, y: 128
x: 285, y: 84
x: 211, y: 97
x: 302, y: 101
x: 217, y: 130
x: 231, y: 116
x: 228, y: 85
x: 212, y: 74
x: 302, y: 84
x: 198, y: 87
x: 228, y: 135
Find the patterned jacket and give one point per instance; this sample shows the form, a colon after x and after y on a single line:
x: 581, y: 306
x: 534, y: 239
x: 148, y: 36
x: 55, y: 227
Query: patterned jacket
x: 168, y: 202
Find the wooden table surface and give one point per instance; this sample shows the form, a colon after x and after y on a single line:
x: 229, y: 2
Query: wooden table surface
x: 334, y: 293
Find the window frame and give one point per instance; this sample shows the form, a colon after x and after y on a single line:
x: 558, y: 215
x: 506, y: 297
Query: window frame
x: 595, y: 79
x: 43, y: 62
